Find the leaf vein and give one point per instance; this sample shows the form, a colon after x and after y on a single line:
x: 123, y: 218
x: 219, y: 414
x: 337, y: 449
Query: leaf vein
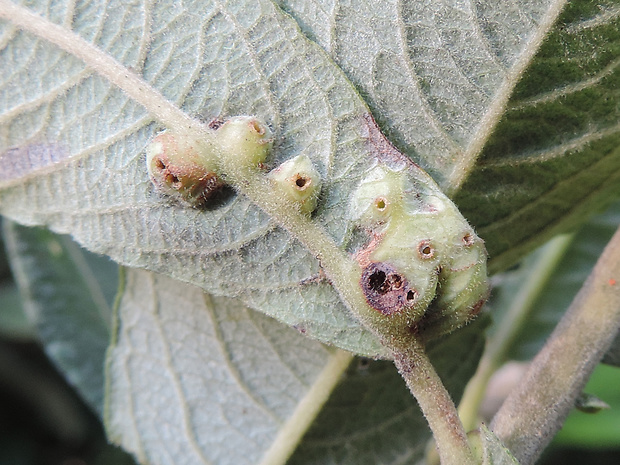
x: 232, y: 368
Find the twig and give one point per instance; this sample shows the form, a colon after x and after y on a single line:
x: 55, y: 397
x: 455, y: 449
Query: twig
x: 536, y: 409
x: 435, y: 403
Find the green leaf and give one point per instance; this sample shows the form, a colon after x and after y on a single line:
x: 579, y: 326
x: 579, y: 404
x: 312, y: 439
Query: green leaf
x: 371, y: 417
x: 13, y: 321
x: 560, y: 284
x: 554, y: 157
x: 492, y: 450
x: 436, y: 74
x: 73, y: 142
x: 588, y: 403
x: 67, y: 295
x: 198, y: 379
x: 204, y: 380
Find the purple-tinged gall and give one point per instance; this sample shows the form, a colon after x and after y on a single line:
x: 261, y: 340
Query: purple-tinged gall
x: 386, y: 290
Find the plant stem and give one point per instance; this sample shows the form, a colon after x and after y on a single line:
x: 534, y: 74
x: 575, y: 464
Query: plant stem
x: 509, y: 328
x: 409, y: 353
x: 537, y: 407
x: 435, y: 403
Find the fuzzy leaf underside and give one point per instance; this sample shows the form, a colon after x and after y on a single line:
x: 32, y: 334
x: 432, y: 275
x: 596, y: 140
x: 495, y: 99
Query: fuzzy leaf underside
x: 73, y: 144
x: 213, y: 383
x: 560, y: 287
x: 432, y: 72
x: 80, y: 155
x: 553, y: 157
x: 67, y: 295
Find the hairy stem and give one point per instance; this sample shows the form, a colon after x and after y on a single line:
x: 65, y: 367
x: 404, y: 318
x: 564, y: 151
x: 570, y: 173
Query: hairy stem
x: 435, y: 403
x: 536, y: 409
x: 510, y: 326
x: 102, y: 63
x: 409, y: 354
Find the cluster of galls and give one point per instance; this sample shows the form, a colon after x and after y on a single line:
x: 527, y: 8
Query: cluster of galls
x: 424, y: 267
x: 190, y: 171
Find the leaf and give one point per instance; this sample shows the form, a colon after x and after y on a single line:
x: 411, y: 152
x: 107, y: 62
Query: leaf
x: 246, y: 57
x: 371, y: 417
x: 493, y: 451
x: 437, y: 74
x: 198, y: 379
x: 13, y: 321
x: 588, y: 403
x: 553, y: 159
x: 233, y: 249
x: 67, y: 295
x: 75, y: 143
x: 561, y: 283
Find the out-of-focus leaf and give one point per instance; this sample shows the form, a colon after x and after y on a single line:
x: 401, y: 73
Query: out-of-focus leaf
x: 13, y: 321
x: 599, y: 430
x: 204, y: 380
x: 67, y: 294
x: 562, y: 285
x: 588, y: 403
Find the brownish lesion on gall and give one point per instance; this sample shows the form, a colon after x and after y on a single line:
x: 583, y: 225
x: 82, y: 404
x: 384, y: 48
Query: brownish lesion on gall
x: 190, y: 181
x: 426, y: 250
x: 386, y: 290
x: 301, y: 182
x: 468, y: 240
